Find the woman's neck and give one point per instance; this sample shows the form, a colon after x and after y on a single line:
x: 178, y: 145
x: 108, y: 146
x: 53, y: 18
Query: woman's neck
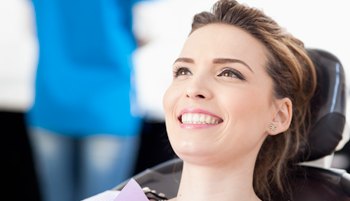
x: 224, y: 183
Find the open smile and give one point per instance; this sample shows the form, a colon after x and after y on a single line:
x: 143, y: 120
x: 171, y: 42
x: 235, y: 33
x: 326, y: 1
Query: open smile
x: 199, y: 118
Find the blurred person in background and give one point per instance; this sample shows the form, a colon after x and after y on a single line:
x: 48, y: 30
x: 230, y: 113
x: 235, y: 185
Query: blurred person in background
x: 83, y: 124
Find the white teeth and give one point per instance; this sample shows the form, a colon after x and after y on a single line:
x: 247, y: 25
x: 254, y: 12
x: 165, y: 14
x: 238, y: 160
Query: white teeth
x: 196, y: 118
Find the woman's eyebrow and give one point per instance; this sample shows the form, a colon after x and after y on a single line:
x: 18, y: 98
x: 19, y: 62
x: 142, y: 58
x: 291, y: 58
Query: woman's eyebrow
x: 230, y: 60
x: 216, y: 61
x: 185, y: 60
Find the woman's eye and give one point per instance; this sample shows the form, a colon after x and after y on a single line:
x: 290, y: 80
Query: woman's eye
x: 231, y: 73
x: 181, y: 72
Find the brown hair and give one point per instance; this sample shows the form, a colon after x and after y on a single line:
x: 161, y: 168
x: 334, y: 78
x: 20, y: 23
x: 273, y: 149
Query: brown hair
x: 294, y: 76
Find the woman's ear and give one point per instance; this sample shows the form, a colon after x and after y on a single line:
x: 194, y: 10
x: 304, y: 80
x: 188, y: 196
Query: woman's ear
x: 282, y: 118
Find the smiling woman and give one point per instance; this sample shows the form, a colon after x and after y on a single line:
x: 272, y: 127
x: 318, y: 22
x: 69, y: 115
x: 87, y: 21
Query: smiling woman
x: 238, y: 106
x: 220, y: 92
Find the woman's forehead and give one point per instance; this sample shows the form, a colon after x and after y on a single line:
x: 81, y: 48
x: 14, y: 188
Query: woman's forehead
x: 224, y: 41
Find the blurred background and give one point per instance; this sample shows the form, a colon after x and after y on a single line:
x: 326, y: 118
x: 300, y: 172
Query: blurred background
x: 161, y: 26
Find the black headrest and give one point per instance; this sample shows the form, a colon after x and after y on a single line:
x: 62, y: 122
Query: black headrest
x: 328, y: 107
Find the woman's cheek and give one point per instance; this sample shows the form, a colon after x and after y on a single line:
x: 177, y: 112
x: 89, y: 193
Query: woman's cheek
x: 169, y: 99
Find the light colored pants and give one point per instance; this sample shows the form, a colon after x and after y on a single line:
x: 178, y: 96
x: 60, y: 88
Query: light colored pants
x: 71, y: 169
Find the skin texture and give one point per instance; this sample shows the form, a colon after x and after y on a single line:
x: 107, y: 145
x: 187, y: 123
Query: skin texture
x: 221, y: 73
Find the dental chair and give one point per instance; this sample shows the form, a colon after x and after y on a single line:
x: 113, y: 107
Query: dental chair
x: 315, y: 179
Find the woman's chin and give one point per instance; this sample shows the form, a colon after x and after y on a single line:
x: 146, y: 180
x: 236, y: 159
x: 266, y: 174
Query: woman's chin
x: 195, y: 155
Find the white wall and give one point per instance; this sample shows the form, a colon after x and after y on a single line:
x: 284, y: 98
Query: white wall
x: 320, y: 24
x: 17, y: 54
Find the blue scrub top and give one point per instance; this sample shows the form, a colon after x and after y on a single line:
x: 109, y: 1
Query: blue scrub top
x: 83, y: 80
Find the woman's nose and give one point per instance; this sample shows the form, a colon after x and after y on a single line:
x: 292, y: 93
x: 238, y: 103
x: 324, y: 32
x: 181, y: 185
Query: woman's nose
x: 198, y: 89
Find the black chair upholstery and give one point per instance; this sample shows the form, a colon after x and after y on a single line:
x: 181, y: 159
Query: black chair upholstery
x: 164, y: 178
x: 310, y: 183
x: 328, y: 107
x: 329, y: 119
x: 321, y: 184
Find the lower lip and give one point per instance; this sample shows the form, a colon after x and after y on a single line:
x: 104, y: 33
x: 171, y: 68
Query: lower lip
x: 197, y: 126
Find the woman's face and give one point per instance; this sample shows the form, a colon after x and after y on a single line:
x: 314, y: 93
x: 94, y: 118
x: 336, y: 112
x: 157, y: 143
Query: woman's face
x: 220, y: 102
